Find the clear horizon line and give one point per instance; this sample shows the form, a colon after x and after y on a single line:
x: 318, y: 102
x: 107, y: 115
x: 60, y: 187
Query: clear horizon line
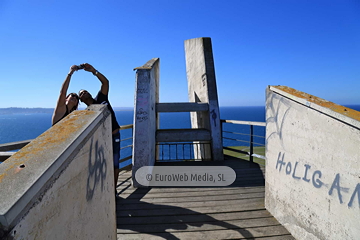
x: 123, y: 107
x: 133, y: 107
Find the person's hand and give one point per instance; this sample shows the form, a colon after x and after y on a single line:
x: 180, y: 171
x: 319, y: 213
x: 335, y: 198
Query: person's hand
x: 89, y: 68
x: 73, y: 68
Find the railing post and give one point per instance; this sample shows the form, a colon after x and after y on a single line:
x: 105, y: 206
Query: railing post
x: 251, y: 143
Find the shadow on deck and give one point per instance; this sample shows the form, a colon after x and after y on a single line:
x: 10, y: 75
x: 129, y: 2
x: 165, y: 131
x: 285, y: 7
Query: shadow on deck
x: 233, y: 212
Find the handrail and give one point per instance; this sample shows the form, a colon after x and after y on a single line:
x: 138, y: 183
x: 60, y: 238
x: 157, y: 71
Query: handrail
x: 6, y: 147
x: 245, y: 134
x: 251, y: 124
x: 128, y: 126
x: 244, y: 122
x: 5, y: 155
x: 123, y: 127
x: 126, y: 139
x: 234, y: 139
x: 124, y: 159
x: 13, y: 145
x: 125, y: 146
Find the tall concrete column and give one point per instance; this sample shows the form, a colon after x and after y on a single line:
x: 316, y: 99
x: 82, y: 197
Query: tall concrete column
x: 202, y: 88
x: 145, y: 117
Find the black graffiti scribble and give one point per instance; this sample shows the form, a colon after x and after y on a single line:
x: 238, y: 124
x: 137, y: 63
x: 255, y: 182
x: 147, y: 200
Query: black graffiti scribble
x: 213, y: 116
x: 142, y: 115
x: 203, y: 79
x: 97, y: 169
x: 277, y: 118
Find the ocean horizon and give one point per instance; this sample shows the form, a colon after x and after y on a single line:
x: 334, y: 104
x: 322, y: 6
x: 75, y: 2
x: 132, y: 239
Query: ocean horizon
x: 24, y: 125
x: 19, y: 126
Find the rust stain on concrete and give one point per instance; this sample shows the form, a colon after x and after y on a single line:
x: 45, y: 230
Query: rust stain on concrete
x: 39, y: 147
x: 321, y: 102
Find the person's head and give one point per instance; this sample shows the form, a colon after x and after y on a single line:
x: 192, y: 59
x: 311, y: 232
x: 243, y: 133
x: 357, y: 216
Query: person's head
x: 84, y: 96
x: 72, y: 100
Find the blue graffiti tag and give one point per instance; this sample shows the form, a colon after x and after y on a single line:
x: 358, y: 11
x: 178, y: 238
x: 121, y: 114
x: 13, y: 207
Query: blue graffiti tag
x: 292, y: 169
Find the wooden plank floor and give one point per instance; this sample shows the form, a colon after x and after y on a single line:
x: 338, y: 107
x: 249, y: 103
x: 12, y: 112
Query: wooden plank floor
x: 233, y: 212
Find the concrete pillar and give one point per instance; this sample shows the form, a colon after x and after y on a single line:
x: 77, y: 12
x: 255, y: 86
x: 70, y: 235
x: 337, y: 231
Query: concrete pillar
x: 202, y: 88
x: 146, y: 120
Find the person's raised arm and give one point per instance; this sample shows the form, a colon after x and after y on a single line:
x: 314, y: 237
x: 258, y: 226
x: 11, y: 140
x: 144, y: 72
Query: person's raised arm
x: 104, y: 81
x: 60, y: 107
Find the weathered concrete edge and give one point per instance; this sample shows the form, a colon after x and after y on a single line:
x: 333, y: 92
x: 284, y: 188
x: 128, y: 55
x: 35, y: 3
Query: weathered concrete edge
x: 305, y: 99
x: 149, y: 65
x: 16, y: 206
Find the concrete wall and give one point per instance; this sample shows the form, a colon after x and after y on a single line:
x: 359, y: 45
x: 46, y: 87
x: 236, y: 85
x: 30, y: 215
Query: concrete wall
x: 200, y: 72
x: 60, y: 186
x: 146, y: 119
x: 312, y: 165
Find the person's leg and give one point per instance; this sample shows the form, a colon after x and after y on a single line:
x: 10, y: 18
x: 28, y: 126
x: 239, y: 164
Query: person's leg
x: 116, y: 154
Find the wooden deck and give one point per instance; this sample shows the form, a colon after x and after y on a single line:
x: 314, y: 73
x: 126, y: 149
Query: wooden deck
x: 233, y: 212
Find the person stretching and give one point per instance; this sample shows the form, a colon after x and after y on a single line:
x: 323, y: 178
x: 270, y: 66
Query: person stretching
x: 66, y: 103
x: 102, y: 98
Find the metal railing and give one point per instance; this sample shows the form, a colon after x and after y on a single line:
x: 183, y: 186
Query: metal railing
x: 173, y: 151
x: 6, y: 149
x: 251, y: 143
x: 182, y: 151
x: 126, y: 149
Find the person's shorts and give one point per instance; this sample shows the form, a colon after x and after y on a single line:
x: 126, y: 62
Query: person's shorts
x: 116, y: 149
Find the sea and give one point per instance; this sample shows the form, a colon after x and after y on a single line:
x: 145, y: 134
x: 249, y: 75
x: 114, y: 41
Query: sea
x: 24, y: 126
x: 19, y: 126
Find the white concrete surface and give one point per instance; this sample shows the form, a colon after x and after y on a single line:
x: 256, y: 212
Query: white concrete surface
x: 60, y: 186
x: 145, y: 117
x: 202, y: 88
x: 312, y: 166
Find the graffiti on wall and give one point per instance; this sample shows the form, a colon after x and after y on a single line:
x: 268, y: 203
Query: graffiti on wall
x: 305, y: 172
x: 276, y: 114
x: 141, y: 115
x: 97, y: 169
x: 203, y: 79
x: 213, y: 116
x: 142, y: 90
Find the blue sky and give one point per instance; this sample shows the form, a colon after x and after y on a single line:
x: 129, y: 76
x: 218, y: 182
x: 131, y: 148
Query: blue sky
x: 310, y: 45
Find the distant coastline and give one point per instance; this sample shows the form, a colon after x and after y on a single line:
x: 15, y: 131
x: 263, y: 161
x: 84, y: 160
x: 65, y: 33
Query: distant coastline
x: 16, y: 110
x: 19, y: 110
